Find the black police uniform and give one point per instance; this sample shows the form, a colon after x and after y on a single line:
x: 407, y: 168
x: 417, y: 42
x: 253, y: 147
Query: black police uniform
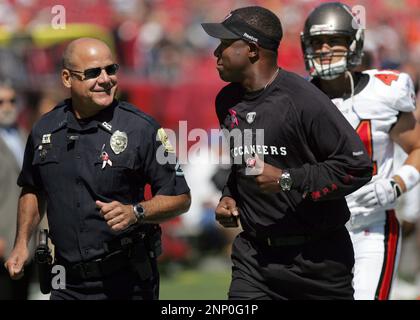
x: 64, y: 158
x: 294, y: 244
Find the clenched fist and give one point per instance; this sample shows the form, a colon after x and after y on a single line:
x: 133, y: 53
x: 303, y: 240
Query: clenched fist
x: 227, y: 213
x: 117, y: 215
x: 16, y: 262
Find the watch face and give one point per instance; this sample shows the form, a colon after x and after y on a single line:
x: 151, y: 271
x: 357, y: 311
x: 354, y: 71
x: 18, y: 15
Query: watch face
x: 139, y: 212
x: 286, y: 181
x: 139, y: 208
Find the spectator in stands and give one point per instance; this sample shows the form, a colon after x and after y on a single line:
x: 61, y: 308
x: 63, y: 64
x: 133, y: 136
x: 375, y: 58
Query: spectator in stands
x: 11, y: 156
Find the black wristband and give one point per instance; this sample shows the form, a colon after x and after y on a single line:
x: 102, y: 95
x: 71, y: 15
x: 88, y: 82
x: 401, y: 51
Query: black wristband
x: 397, y: 188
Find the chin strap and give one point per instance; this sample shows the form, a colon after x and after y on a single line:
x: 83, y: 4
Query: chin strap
x: 350, y: 76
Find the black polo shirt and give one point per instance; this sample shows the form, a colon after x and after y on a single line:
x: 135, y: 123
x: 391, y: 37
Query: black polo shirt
x: 303, y: 132
x: 64, y: 158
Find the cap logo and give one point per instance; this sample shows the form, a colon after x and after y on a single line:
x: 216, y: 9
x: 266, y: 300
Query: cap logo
x: 246, y: 35
x: 235, y: 27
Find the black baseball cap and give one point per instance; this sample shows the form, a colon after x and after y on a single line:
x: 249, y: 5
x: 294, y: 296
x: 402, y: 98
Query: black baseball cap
x: 234, y: 27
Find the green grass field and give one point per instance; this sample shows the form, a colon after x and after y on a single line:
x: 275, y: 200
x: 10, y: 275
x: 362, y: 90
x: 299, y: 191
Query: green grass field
x: 194, y: 284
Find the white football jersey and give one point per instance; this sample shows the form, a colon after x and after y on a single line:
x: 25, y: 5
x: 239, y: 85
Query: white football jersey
x: 374, y: 111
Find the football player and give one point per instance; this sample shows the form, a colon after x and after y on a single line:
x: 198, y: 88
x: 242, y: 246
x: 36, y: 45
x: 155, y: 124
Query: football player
x: 379, y: 104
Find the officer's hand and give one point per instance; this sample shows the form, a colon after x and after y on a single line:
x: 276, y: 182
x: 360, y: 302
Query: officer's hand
x: 267, y: 180
x: 117, y: 215
x: 227, y: 213
x: 15, y: 263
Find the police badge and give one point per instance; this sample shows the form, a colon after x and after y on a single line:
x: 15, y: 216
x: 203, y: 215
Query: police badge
x: 118, y: 141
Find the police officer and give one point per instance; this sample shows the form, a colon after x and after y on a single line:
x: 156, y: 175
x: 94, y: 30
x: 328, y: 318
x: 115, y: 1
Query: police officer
x: 89, y: 160
x: 294, y: 159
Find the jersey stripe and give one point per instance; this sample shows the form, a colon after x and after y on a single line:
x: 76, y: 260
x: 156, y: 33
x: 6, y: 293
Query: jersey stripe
x: 388, y: 268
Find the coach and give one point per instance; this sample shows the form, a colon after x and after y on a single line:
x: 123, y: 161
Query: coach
x: 287, y: 187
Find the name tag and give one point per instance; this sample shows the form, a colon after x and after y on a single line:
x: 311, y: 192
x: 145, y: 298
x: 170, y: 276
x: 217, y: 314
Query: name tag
x: 46, y: 138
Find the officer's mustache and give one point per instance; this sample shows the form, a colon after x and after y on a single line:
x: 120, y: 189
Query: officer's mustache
x: 106, y: 88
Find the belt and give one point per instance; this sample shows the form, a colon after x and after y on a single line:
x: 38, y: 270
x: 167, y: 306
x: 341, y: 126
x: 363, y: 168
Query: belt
x: 289, y: 240
x: 97, y: 268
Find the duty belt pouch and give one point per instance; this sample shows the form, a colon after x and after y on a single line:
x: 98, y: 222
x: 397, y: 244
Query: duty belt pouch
x: 45, y: 277
x: 43, y: 260
x: 140, y: 261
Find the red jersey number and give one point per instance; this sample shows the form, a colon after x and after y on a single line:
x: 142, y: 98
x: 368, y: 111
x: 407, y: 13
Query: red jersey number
x: 387, y: 78
x: 364, y: 130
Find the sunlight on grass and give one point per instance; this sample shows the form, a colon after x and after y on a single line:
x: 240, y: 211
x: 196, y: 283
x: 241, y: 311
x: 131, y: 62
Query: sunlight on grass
x: 195, y: 285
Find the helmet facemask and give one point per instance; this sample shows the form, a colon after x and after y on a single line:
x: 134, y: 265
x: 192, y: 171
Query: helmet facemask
x: 327, y: 71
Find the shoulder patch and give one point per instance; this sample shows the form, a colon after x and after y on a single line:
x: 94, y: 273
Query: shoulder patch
x: 163, y: 137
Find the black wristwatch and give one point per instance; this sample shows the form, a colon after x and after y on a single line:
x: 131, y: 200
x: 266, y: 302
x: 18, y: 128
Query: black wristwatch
x: 285, y: 181
x: 139, y: 212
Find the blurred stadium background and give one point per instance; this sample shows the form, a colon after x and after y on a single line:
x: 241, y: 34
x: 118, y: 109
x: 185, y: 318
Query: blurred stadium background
x: 168, y: 70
